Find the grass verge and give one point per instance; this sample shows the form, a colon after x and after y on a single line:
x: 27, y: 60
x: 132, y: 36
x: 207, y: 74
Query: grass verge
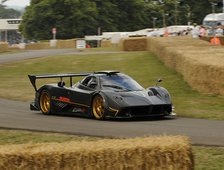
x: 142, y: 66
x: 208, y: 158
x: 23, y: 137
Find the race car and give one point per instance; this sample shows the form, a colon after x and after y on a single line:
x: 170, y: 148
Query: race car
x: 100, y: 95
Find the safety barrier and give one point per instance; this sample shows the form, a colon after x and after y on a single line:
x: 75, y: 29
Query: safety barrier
x: 161, y: 152
x: 200, y: 63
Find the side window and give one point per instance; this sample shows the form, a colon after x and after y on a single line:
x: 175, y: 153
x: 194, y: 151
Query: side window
x: 90, y: 82
x: 86, y: 81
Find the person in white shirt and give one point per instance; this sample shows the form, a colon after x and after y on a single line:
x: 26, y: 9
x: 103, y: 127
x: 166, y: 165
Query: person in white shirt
x: 195, y: 31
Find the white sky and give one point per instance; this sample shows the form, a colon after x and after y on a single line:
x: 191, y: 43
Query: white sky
x: 17, y: 2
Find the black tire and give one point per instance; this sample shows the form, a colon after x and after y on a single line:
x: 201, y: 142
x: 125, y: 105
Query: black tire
x: 45, y: 102
x: 98, y: 107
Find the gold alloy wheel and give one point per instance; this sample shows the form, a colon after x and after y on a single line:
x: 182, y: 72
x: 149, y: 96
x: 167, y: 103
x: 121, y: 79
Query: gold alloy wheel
x: 98, y: 107
x: 45, y: 102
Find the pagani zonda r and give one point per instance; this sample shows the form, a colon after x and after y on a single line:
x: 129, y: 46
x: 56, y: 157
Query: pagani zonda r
x: 100, y: 95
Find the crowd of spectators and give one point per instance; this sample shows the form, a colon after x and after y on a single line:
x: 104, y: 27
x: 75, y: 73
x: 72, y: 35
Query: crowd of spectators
x: 201, y: 31
x: 196, y: 31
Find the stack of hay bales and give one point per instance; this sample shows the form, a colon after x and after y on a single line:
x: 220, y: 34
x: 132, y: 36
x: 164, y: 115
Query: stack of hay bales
x: 134, y: 44
x: 164, y: 152
x: 71, y: 43
x: 200, y: 63
x: 106, y: 43
x: 38, y: 46
x: 3, y: 47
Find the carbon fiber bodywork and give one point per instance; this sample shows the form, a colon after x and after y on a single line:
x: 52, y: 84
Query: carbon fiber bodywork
x: 122, y: 96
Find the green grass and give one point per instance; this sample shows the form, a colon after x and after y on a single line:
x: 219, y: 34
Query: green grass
x: 206, y: 158
x: 113, y: 48
x: 142, y: 66
x: 23, y: 137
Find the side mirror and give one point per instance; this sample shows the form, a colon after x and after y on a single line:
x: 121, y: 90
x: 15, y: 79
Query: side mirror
x: 158, y: 81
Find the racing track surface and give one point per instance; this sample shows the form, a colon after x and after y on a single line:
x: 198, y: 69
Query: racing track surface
x: 16, y: 115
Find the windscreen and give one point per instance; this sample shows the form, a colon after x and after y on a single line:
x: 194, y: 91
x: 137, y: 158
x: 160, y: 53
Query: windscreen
x: 120, y: 82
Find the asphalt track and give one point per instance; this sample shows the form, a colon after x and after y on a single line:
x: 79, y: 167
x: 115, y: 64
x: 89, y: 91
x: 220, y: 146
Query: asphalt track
x: 16, y: 115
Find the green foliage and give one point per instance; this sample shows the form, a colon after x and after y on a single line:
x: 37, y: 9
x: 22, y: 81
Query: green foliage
x: 76, y: 18
x: 72, y: 18
x: 7, y: 12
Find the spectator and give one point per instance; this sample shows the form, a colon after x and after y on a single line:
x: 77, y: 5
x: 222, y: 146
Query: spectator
x: 88, y: 46
x: 219, y: 31
x: 166, y: 33
x: 202, y: 31
x: 195, y: 31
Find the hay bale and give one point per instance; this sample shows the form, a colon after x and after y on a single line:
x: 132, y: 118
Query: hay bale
x: 106, y: 43
x: 71, y: 43
x: 38, y: 46
x: 134, y: 44
x: 3, y: 47
x: 200, y: 63
x: 161, y: 152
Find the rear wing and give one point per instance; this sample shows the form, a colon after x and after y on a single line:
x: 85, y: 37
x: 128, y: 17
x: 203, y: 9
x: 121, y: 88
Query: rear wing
x: 33, y: 78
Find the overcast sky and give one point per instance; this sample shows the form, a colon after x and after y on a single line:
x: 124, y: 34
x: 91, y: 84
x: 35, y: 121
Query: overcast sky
x: 22, y: 3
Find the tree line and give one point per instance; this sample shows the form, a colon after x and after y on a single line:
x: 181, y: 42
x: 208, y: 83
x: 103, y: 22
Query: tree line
x: 76, y: 18
x: 8, y: 12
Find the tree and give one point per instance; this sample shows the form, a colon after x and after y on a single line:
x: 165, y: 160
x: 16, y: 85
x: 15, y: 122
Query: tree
x: 131, y: 15
x: 197, y: 10
x: 72, y: 18
x: 107, y: 13
x: 7, y: 12
x: 76, y: 18
x: 2, y: 3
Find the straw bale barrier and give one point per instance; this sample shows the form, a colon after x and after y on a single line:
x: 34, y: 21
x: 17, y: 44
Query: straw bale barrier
x: 200, y: 63
x: 14, y: 47
x: 3, y: 47
x: 106, y: 43
x: 161, y: 152
x: 71, y: 43
x: 38, y: 46
x: 134, y: 44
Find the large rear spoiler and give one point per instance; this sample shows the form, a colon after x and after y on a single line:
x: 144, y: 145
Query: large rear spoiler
x: 61, y: 76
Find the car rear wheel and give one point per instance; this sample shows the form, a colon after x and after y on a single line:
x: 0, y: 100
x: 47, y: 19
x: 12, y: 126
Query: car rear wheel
x: 98, y: 108
x: 45, y: 102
